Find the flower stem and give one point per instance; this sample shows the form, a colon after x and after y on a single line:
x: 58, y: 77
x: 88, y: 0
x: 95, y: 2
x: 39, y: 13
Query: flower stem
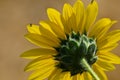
x: 89, y: 69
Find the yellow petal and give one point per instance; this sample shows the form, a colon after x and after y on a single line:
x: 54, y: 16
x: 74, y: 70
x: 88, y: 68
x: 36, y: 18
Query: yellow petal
x: 67, y: 11
x: 81, y: 76
x: 38, y: 52
x: 63, y: 76
x: 54, y: 75
x: 69, y: 19
x: 78, y: 77
x: 67, y: 76
x: 39, y: 64
x: 46, y: 28
x: 33, y: 39
x: 103, y: 32
x: 87, y: 76
x: 79, y: 12
x: 55, y: 28
x: 100, y: 73
x: 101, y: 27
x: 109, y: 47
x: 55, y: 17
x: 58, y: 75
x: 47, y: 32
x: 38, y: 61
x: 110, y: 58
x: 41, y: 41
x: 41, y: 74
x: 111, y: 38
x: 105, y: 65
x: 33, y: 28
x: 74, y: 77
x: 91, y: 13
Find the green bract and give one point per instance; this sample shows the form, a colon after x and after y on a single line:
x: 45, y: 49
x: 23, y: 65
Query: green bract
x: 73, y: 50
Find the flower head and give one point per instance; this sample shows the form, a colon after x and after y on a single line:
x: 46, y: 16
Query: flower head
x: 72, y: 46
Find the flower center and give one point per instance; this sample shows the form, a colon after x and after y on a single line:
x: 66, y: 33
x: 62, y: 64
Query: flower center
x: 73, y: 50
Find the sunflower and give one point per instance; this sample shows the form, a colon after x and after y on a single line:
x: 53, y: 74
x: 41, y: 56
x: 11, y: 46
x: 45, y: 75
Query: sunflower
x: 72, y: 46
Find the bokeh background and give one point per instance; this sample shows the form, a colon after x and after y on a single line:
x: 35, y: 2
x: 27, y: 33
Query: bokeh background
x: 16, y: 14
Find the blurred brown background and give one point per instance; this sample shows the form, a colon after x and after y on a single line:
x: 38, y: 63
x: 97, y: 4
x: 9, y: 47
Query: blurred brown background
x: 16, y: 14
